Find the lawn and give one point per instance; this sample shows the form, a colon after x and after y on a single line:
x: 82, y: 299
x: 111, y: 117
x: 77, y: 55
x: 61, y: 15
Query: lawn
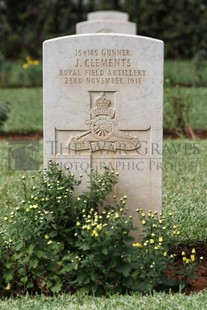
x: 184, y: 187
x: 25, y: 109
x: 186, y: 72
x: 78, y: 302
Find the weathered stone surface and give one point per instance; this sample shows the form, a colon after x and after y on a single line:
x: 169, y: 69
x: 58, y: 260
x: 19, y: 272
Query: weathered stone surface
x: 103, y: 105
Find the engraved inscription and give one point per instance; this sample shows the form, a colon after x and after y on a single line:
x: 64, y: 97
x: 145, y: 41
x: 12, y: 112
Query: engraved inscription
x: 103, y: 133
x: 105, y: 66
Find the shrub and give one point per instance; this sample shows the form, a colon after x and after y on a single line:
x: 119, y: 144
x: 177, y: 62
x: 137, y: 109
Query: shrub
x: 176, y: 114
x: 57, y: 242
x: 32, y: 75
x: 4, y: 110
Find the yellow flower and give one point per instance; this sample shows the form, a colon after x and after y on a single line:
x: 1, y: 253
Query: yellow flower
x: 49, y: 242
x: 94, y: 233
x: 137, y: 244
x: 25, y: 66
x: 99, y: 227
x: 183, y: 253
x: 184, y: 259
x: 35, y: 62
x: 143, y: 222
x: 192, y: 257
x: 46, y: 237
x: 193, y: 251
x: 8, y: 287
x: 160, y: 239
x: 78, y: 224
x: 152, y: 241
x: 165, y: 253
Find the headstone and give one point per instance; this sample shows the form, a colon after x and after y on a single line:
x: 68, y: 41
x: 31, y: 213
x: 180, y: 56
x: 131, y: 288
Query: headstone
x: 113, y: 15
x: 106, y: 22
x: 103, y: 106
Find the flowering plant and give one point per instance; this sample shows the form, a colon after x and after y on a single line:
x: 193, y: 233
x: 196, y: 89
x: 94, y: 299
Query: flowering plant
x: 32, y: 74
x: 56, y: 241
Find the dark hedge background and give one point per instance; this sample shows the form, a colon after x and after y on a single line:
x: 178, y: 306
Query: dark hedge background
x: 25, y: 24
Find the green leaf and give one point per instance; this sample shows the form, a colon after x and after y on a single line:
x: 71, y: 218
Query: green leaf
x: 67, y: 268
x: 8, y: 265
x: 53, y: 234
x: 34, y: 263
x: 30, y: 249
x: 24, y: 279
x: 80, y: 278
x: 56, y: 288
x: 8, y: 276
x: 105, y: 251
x: 124, y: 269
x: 40, y: 254
x: 19, y: 245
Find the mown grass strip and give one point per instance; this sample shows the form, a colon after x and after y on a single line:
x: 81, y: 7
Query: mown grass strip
x: 156, y: 301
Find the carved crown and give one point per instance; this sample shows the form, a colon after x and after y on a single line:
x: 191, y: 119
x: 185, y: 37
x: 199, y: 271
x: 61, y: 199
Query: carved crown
x: 101, y: 101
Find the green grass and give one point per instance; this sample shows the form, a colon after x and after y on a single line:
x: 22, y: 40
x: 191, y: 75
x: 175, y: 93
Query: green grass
x: 25, y: 110
x: 196, y: 104
x: 79, y: 302
x: 12, y: 74
x: 184, y: 72
x: 185, y: 187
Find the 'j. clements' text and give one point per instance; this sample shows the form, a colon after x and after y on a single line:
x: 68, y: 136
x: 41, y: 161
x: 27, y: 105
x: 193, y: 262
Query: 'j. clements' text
x: 102, y: 62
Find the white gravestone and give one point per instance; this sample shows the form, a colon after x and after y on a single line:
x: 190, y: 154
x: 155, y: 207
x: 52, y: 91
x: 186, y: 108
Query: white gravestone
x: 113, y: 15
x: 103, y: 106
x: 106, y: 22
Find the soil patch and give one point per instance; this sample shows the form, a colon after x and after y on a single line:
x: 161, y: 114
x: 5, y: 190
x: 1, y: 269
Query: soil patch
x: 21, y: 136
x: 167, y: 134
x: 198, y: 281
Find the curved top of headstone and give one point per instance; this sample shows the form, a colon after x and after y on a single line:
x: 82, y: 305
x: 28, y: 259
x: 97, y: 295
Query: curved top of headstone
x: 114, y: 15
